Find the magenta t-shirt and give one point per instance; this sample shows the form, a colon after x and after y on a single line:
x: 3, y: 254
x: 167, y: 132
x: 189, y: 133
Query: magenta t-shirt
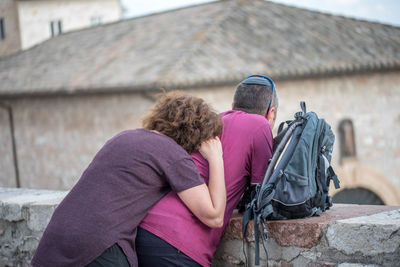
x: 247, y: 147
x: 130, y: 173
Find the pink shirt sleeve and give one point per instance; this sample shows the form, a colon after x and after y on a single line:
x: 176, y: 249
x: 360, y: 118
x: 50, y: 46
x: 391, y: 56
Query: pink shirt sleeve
x: 261, y: 152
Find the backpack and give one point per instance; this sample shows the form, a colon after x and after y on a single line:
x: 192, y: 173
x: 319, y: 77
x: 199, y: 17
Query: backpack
x: 298, y: 187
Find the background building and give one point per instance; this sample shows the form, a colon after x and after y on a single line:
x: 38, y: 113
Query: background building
x: 25, y: 23
x: 65, y: 97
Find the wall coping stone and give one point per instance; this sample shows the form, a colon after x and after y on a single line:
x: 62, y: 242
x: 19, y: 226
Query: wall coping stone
x: 304, y: 232
x: 344, y: 236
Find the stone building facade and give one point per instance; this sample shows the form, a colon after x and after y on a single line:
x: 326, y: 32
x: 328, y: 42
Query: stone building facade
x: 65, y: 108
x: 9, y: 43
x: 58, y: 136
x: 27, y: 23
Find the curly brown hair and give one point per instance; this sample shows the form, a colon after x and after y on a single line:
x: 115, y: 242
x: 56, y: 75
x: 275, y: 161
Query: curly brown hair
x: 187, y: 119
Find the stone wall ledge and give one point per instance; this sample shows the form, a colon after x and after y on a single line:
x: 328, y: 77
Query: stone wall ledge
x: 345, y: 235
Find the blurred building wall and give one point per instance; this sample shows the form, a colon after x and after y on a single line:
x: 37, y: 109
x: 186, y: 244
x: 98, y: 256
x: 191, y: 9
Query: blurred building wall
x: 58, y: 136
x: 27, y: 23
x: 371, y: 101
x: 7, y: 170
x: 9, y: 15
x: 35, y: 17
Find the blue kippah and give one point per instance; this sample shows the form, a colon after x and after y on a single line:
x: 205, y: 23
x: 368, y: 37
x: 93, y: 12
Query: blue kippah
x: 258, y: 79
x: 261, y: 80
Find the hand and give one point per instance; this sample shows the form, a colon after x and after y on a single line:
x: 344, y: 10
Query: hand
x: 211, y: 149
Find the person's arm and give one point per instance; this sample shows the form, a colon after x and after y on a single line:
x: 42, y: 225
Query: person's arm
x: 208, y: 203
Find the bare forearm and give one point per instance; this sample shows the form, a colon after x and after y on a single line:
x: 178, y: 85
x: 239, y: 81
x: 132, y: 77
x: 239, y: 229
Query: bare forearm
x: 216, y: 187
x: 208, y: 202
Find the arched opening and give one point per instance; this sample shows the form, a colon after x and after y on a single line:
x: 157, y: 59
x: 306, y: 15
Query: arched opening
x: 353, y: 175
x: 357, y: 195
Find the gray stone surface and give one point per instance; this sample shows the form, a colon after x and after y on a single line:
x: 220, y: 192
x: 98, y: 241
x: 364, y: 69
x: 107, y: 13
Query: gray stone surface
x: 345, y: 240
x: 24, y: 214
x: 371, y: 235
x: 15, y: 202
x: 365, y: 241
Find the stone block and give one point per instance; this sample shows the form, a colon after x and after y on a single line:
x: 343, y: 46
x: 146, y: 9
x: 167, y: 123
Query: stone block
x: 24, y: 214
x: 369, y: 235
x: 14, y: 201
x: 39, y: 215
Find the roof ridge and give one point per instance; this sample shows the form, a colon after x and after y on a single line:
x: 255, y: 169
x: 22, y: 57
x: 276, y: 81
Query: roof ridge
x: 195, y: 45
x: 156, y: 13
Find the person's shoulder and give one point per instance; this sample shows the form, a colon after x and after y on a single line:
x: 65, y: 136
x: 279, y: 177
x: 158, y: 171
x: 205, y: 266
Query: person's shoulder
x: 140, y: 133
x: 166, y: 145
x: 127, y: 133
x: 155, y: 143
x: 249, y: 119
x: 143, y: 136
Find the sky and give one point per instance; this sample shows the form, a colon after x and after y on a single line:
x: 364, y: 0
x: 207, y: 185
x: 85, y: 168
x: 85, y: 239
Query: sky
x: 384, y: 11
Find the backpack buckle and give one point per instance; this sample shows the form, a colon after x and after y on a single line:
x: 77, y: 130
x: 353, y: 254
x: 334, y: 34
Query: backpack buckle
x: 298, y: 115
x: 265, y: 231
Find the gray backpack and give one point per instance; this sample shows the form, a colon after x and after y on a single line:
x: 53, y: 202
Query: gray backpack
x: 299, y: 184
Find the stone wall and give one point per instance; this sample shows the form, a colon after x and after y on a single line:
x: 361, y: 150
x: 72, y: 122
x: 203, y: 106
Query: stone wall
x: 57, y: 136
x: 35, y: 16
x: 346, y: 235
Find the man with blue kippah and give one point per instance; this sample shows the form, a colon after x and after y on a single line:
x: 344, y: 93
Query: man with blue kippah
x: 170, y: 234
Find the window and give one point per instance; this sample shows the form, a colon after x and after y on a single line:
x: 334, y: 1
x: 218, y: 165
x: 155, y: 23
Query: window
x: 55, y: 27
x: 2, y: 32
x: 346, y: 138
x: 95, y: 21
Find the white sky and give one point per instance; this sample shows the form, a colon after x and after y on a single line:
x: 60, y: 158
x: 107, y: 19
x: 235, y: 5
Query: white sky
x: 384, y: 11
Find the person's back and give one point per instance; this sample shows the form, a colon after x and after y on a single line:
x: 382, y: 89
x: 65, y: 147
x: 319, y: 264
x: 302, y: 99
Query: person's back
x: 247, y: 146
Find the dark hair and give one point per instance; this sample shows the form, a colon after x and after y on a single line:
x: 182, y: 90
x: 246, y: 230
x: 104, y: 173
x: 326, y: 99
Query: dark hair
x: 254, y: 98
x: 187, y: 119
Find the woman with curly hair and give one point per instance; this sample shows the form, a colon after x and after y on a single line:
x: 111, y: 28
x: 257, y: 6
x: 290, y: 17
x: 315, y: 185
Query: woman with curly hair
x: 96, y: 223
